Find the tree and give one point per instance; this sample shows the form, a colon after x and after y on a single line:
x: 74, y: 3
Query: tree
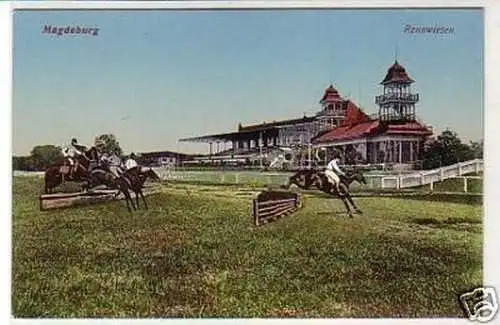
x: 43, y: 156
x: 477, y: 148
x: 24, y: 163
x: 446, y: 149
x: 110, y: 144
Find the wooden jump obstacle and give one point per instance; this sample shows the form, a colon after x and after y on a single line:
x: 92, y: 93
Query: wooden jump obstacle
x: 64, y: 200
x: 272, y: 205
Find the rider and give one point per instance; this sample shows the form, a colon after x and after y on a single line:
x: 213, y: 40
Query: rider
x: 68, y: 154
x: 78, y: 149
x: 130, y: 162
x: 333, y: 171
x: 115, y: 165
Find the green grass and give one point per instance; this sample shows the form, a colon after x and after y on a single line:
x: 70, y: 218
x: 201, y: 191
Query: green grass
x: 196, y: 253
x: 457, y: 185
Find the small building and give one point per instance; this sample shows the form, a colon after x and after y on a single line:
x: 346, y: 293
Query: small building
x: 394, y: 136
x: 162, y: 158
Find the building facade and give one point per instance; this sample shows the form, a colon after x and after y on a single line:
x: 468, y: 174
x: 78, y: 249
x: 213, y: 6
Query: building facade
x: 393, y: 135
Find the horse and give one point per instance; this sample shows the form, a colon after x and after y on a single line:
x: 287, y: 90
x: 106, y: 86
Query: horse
x: 59, y: 172
x: 306, y: 178
x: 303, y: 179
x: 321, y: 182
x: 135, y: 178
x: 102, y: 175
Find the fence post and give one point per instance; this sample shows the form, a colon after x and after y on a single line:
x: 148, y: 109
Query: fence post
x: 476, y: 166
x: 422, y: 179
x: 432, y: 186
x: 465, y: 184
x: 442, y: 174
x: 459, y: 169
x: 382, y: 182
x: 255, y: 211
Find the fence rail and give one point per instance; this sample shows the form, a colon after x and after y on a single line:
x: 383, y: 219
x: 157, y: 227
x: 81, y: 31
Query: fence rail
x: 381, y: 181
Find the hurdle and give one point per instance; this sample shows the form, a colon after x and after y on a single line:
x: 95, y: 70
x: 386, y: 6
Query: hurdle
x: 270, y: 206
x: 65, y: 200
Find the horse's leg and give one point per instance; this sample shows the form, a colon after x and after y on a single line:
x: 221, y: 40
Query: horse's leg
x: 128, y: 199
x: 136, y: 192
x: 124, y: 189
x: 356, y: 209
x: 347, y: 195
x: 344, y: 200
x: 143, y: 199
x: 342, y: 197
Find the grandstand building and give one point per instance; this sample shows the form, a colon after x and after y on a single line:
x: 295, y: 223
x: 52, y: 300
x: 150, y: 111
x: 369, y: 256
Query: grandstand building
x: 393, y: 135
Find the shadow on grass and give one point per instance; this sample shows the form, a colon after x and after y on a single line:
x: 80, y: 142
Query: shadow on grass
x: 472, y: 199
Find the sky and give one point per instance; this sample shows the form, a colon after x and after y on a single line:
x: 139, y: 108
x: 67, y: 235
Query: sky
x: 153, y: 77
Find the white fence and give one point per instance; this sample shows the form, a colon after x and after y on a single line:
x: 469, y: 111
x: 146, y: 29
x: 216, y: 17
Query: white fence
x: 399, y: 181
x: 432, y: 176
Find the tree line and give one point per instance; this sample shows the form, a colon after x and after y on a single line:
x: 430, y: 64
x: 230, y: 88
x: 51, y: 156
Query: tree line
x: 42, y: 156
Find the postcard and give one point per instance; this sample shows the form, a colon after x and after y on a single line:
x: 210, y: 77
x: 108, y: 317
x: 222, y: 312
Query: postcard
x: 197, y: 162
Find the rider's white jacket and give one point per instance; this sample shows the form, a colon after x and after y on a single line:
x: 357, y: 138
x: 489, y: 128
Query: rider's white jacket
x: 333, y: 166
x: 130, y: 163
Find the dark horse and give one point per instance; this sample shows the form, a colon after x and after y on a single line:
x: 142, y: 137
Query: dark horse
x: 131, y: 180
x: 56, y: 174
x: 101, y: 175
x: 134, y: 180
x: 310, y: 177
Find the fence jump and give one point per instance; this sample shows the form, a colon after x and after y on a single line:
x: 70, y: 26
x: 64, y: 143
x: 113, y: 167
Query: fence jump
x: 65, y: 200
x: 273, y: 205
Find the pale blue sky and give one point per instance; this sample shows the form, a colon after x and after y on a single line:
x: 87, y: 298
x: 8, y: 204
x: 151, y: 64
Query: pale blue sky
x: 152, y: 77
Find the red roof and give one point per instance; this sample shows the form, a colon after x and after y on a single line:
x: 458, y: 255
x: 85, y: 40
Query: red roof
x: 331, y: 95
x: 355, y: 125
x: 359, y: 125
x: 354, y: 115
x: 396, y: 73
x: 348, y: 132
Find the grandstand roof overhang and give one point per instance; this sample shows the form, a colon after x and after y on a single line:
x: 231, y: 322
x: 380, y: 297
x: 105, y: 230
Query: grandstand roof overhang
x: 234, y: 136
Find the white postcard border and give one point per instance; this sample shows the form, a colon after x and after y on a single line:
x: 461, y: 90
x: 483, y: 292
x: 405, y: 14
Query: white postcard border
x: 492, y: 133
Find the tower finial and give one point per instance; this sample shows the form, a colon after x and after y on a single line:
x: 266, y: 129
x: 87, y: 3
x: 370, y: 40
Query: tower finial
x: 396, y: 53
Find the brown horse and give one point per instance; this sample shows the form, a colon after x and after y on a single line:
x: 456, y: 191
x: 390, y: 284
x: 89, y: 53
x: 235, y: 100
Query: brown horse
x: 101, y: 175
x: 135, y: 178
x: 60, y: 172
x: 305, y: 179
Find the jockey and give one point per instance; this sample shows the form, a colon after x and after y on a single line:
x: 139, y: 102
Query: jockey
x: 333, y: 171
x: 79, y: 149
x: 69, y: 154
x: 130, y: 162
x: 115, y: 165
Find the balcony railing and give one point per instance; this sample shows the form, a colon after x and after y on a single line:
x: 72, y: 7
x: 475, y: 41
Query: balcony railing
x: 390, y: 98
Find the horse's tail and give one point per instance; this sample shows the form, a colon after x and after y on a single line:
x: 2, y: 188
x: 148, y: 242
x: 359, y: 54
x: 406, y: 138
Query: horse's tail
x: 49, y: 178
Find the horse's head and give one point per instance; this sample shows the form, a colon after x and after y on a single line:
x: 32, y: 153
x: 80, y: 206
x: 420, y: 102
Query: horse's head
x: 150, y: 173
x: 358, y: 176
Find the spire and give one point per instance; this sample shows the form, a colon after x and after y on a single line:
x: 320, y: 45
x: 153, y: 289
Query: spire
x: 396, y: 53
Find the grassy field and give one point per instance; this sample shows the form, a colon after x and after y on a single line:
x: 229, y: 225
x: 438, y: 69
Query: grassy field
x: 196, y: 253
